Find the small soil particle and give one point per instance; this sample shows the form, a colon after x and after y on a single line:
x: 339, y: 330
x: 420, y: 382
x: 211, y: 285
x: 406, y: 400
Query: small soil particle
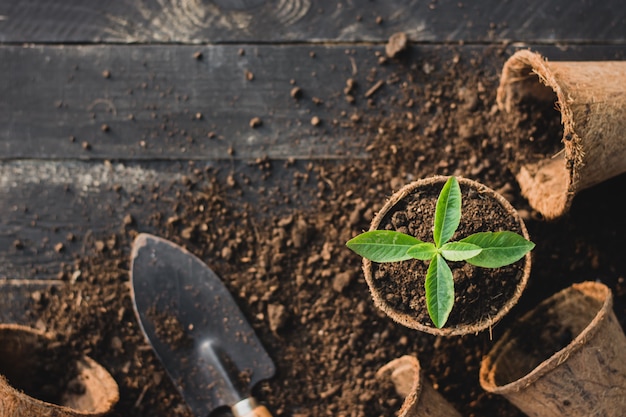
x: 373, y: 89
x: 276, y: 316
x: 255, y: 122
x: 396, y: 44
x: 128, y: 220
x: 296, y: 92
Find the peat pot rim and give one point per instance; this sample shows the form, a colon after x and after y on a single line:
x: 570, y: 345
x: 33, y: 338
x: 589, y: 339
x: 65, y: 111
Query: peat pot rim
x: 595, y: 290
x: 530, y: 72
x: 462, y: 329
x: 589, y: 98
x: 411, y: 392
x: 87, y: 367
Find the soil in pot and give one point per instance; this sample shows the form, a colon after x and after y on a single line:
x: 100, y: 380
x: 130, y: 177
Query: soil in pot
x: 480, y: 293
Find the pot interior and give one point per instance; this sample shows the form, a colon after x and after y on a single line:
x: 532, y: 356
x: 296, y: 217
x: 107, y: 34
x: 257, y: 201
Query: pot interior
x: 38, y: 366
x: 546, y: 330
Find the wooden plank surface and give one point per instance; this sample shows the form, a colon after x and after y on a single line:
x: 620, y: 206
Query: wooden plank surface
x: 68, y: 109
x: 159, y: 102
x: 51, y: 187
x: 105, y: 103
x: 50, y: 208
x: 254, y: 21
x: 54, y: 211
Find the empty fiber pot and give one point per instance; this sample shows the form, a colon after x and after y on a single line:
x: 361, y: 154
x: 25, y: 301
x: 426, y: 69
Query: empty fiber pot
x: 591, y: 99
x: 420, y: 398
x: 566, y: 357
x: 36, y: 381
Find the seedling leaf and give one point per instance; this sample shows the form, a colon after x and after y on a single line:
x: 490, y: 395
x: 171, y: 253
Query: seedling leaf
x: 459, y: 251
x: 439, y: 291
x: 447, y: 212
x: 423, y: 251
x: 499, y: 248
x: 383, y: 245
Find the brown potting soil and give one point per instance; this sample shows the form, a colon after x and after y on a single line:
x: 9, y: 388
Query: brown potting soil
x: 275, y: 232
x: 479, y: 292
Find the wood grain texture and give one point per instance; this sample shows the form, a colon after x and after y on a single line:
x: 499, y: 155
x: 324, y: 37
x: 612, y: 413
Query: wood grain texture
x: 52, y: 211
x: 55, y: 212
x: 279, y: 21
x: 159, y: 102
x: 51, y: 188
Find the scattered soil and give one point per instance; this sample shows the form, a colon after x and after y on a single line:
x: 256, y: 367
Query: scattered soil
x: 169, y: 329
x: 479, y: 292
x: 275, y: 232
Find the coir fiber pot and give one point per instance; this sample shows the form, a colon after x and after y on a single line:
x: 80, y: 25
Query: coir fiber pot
x: 566, y: 357
x: 34, y: 381
x: 482, y: 295
x: 420, y: 398
x: 591, y: 100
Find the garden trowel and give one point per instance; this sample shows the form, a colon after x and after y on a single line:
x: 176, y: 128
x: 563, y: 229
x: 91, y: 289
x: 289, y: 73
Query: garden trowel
x: 198, y: 332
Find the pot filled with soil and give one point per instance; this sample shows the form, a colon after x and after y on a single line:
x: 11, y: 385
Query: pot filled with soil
x: 589, y: 147
x: 566, y: 357
x: 420, y: 398
x: 38, y: 377
x: 446, y: 256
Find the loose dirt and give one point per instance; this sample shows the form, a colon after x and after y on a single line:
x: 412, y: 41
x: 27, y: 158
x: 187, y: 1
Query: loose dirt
x: 275, y: 231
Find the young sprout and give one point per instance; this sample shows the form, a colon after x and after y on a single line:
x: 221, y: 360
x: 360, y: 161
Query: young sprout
x: 484, y: 249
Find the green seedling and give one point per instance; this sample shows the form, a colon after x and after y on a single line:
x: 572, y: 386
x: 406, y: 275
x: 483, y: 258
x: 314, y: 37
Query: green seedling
x: 483, y: 249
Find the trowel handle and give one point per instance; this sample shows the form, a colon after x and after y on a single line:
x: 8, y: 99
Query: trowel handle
x: 260, y: 411
x: 249, y: 407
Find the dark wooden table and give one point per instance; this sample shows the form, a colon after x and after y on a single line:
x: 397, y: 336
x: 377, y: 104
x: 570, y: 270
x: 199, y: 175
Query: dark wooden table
x: 98, y: 96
